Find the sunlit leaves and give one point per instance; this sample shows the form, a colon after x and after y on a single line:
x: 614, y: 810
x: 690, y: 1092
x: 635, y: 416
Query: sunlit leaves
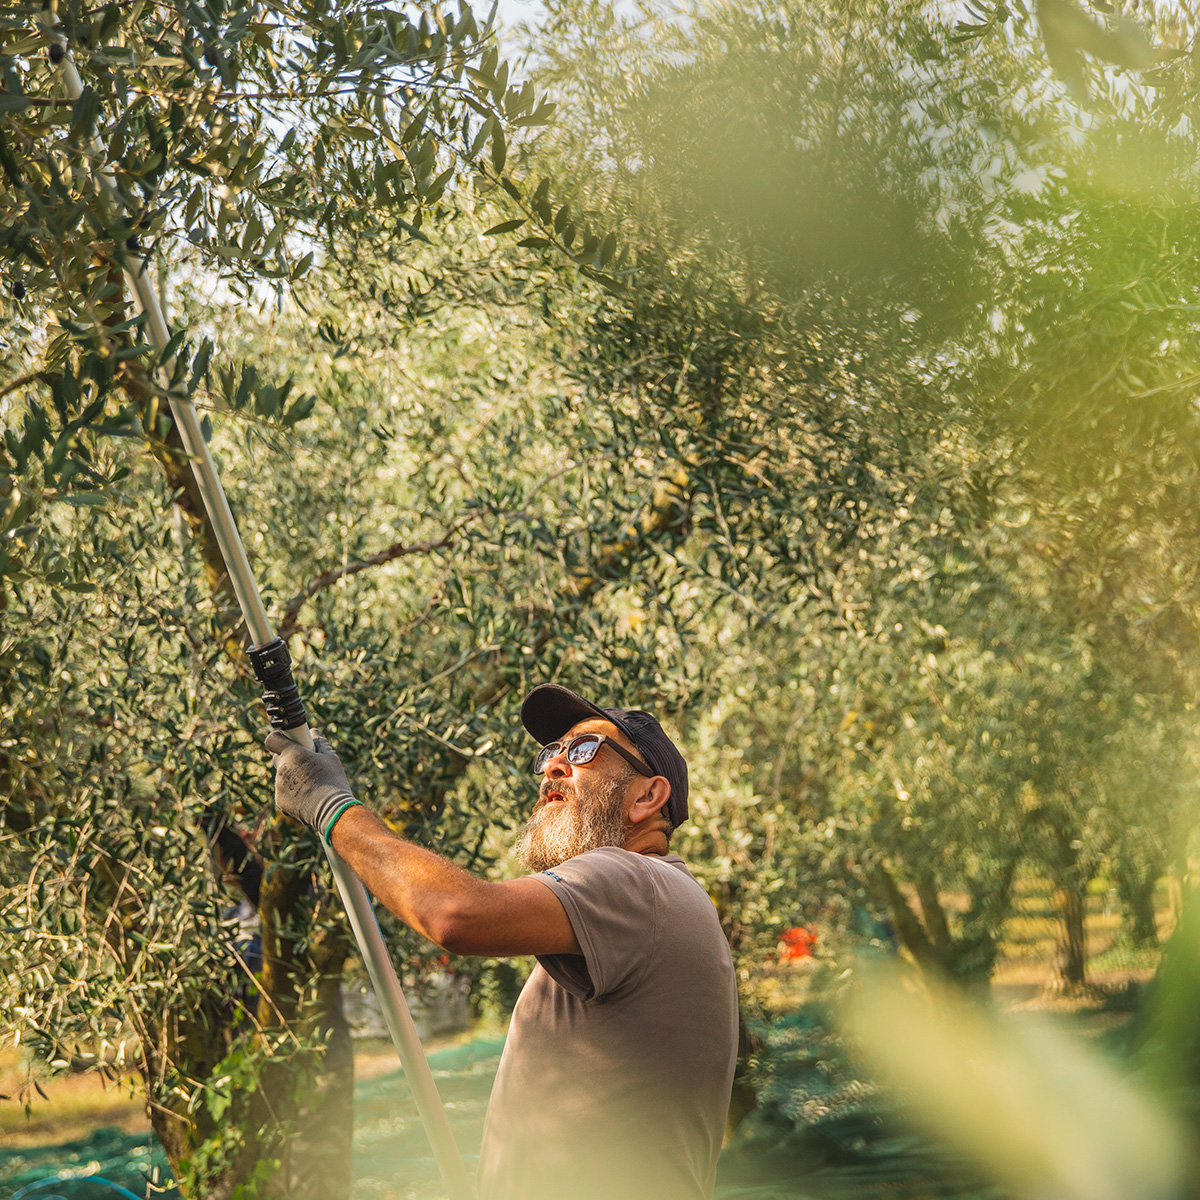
x: 240, y: 141
x: 1070, y: 36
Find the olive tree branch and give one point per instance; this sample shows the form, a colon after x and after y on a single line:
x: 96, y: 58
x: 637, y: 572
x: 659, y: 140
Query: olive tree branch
x: 25, y: 380
x: 328, y: 578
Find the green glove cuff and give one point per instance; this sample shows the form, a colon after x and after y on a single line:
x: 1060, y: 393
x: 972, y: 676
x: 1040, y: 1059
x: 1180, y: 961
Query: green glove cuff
x: 349, y: 804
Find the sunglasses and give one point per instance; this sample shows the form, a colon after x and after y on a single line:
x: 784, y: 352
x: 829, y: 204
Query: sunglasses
x: 582, y: 749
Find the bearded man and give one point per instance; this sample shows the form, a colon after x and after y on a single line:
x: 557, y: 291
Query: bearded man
x: 617, y: 1068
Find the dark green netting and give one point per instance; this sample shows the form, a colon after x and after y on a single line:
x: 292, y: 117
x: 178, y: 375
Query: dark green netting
x: 392, y: 1160
x: 815, y: 1136
x: 820, y: 1133
x: 130, y: 1161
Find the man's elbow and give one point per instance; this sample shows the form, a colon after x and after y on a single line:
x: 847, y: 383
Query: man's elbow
x: 456, y: 930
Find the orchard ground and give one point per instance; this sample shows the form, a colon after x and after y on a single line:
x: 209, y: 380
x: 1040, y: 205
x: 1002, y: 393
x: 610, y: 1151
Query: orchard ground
x: 89, y: 1126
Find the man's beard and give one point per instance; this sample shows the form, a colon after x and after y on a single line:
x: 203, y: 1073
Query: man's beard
x: 591, y: 817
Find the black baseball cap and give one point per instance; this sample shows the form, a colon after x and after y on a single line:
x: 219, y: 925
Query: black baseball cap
x: 550, y: 710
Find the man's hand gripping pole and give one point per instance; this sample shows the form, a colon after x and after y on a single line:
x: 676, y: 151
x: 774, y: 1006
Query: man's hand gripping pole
x: 272, y: 665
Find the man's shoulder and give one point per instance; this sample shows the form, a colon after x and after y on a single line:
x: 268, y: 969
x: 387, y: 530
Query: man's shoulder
x: 616, y: 859
x: 613, y: 872
x: 606, y: 861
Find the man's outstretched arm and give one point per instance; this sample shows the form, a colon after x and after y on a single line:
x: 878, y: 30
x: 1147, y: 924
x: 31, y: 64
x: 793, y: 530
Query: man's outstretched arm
x: 448, y: 905
x: 444, y: 903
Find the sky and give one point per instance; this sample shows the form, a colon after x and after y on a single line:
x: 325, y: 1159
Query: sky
x: 511, y: 12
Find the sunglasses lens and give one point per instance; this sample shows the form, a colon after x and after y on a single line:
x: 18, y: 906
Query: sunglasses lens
x: 545, y: 754
x: 582, y: 750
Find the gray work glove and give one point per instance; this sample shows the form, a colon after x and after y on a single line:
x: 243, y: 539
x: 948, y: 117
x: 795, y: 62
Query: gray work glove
x: 310, y: 785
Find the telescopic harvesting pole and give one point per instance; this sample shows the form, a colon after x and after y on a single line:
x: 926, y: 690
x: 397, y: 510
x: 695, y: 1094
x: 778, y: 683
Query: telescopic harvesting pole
x: 272, y: 665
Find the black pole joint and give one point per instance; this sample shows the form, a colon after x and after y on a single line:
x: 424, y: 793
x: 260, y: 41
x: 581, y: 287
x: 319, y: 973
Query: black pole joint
x: 273, y: 666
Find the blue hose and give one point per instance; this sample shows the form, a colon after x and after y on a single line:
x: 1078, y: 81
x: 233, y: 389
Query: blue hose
x: 27, y: 1190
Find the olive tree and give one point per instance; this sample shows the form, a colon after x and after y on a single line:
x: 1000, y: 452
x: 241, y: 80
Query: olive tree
x: 237, y: 144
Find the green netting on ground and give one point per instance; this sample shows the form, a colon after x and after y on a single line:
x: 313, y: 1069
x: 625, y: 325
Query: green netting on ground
x: 133, y: 1162
x: 819, y: 1132
x: 392, y: 1160
x: 816, y: 1135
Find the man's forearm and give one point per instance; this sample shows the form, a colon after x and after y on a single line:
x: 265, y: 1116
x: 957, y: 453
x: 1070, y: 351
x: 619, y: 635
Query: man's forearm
x: 446, y: 904
x: 427, y: 892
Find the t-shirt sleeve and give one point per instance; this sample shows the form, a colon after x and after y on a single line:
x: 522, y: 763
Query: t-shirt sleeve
x: 609, y: 898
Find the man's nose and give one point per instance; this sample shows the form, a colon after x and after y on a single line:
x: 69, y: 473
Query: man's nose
x: 558, y: 767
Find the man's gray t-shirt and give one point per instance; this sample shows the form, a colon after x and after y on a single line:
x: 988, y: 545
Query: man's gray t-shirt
x: 617, y: 1070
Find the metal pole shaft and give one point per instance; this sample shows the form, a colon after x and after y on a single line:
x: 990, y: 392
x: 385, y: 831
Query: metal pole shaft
x: 354, y: 895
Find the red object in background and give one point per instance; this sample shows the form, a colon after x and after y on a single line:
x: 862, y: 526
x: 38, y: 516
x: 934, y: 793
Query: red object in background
x: 797, y: 942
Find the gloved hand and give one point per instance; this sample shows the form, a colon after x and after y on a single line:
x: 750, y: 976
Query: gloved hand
x: 310, y: 785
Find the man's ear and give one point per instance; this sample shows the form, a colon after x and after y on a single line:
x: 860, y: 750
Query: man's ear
x: 654, y: 794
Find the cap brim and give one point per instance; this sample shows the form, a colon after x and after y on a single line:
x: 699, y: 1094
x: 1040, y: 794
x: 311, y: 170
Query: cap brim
x: 550, y: 710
